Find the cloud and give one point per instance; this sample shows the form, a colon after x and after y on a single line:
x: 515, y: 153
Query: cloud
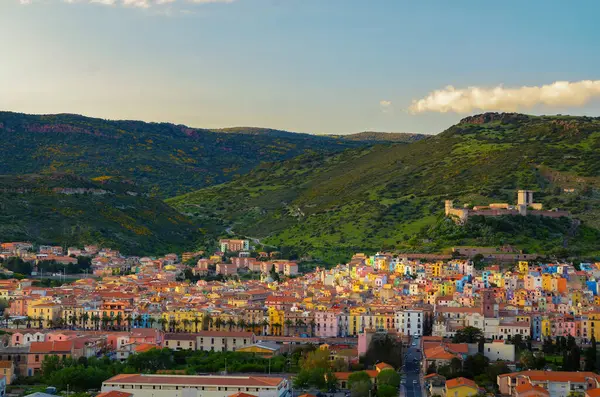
x: 385, y: 105
x: 134, y: 3
x: 465, y: 100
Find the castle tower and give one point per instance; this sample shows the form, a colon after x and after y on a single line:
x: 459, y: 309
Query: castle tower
x: 525, y: 197
x: 488, y: 301
x: 449, y: 204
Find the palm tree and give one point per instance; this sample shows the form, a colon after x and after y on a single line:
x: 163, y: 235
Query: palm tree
x: 288, y: 324
x: 60, y: 322
x: 265, y: 325
x: 128, y: 320
x: 151, y: 321
x: 241, y: 324
x: 313, y: 325
x: 119, y: 320
x: 137, y: 321
x: 231, y: 323
x: 73, y: 320
x: 186, y: 324
x: 163, y: 322
x: 40, y: 321
x: 85, y: 317
x: 105, y: 320
x: 218, y: 323
x: 28, y: 321
x: 196, y: 321
x: 299, y: 324
x: 276, y: 329
x: 18, y: 322
x: 173, y: 325
x: 49, y: 323
x: 96, y: 320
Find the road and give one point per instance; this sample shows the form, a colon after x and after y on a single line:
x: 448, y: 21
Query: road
x: 255, y: 240
x: 412, y: 372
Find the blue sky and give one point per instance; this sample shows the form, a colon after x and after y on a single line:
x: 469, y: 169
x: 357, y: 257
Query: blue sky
x: 320, y: 66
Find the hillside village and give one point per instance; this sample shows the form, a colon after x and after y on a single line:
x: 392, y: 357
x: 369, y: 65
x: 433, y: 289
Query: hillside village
x: 451, y: 309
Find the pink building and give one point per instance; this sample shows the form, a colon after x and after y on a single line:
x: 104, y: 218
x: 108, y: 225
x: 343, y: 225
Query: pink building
x: 226, y: 269
x: 327, y: 324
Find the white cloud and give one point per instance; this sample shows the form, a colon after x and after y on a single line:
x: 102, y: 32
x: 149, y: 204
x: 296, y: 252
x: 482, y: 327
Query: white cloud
x: 465, y: 100
x: 135, y: 3
x: 385, y: 105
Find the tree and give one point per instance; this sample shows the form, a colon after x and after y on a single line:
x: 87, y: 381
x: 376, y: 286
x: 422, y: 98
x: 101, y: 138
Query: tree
x: 388, y: 377
x: 517, y: 340
x: 527, y: 360
x: 360, y: 388
x: 316, y: 359
x: 386, y: 391
x: 273, y: 273
x: 475, y: 365
x: 467, y: 335
x: 383, y: 348
x: 301, y: 380
x: 358, y: 377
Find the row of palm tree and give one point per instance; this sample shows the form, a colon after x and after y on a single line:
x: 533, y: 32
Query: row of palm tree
x: 95, y: 322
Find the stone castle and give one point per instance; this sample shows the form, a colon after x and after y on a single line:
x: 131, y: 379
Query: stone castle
x: 525, y: 206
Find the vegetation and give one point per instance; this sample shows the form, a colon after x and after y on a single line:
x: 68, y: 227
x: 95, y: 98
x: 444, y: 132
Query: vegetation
x: 84, y: 374
x: 316, y: 371
x: 373, y: 136
x: 392, y: 196
x: 71, y: 211
x: 164, y: 158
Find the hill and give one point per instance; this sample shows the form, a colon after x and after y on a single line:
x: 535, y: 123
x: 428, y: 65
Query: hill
x: 165, y: 158
x: 69, y: 210
x: 391, y: 196
x: 373, y: 136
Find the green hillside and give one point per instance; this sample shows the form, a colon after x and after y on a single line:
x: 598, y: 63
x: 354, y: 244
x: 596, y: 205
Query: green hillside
x: 165, y: 158
x: 373, y: 136
x: 392, y: 196
x: 68, y: 210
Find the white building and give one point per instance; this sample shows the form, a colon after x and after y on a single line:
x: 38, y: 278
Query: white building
x: 410, y: 322
x: 142, y: 385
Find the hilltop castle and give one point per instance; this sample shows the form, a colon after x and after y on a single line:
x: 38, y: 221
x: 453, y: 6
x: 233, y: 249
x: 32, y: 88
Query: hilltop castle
x: 524, y: 206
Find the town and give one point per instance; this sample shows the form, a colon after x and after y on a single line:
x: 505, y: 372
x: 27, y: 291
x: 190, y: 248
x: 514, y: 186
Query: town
x: 456, y: 326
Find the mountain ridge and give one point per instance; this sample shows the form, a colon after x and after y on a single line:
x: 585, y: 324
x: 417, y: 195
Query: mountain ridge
x: 385, y: 196
x: 163, y: 157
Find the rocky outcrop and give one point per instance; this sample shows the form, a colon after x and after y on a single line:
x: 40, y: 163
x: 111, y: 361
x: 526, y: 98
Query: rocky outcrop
x: 494, y: 116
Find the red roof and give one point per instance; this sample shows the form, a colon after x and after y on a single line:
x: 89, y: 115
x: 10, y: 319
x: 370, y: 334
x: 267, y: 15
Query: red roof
x: 528, y: 387
x: 253, y: 381
x: 115, y: 393
x: 51, y: 347
x: 459, y: 382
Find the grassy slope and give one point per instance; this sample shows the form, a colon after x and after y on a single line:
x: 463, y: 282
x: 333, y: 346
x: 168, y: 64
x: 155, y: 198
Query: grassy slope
x: 392, y: 196
x: 166, y: 158
x: 373, y: 136
x: 31, y: 210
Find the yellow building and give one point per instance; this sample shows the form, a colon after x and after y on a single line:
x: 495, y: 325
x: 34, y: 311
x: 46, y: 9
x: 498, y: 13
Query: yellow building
x: 264, y: 349
x: 436, y: 269
x: 592, y: 326
x: 546, y: 327
x: 184, y: 320
x: 461, y: 387
x: 547, y: 282
x: 356, y: 320
x: 49, y: 312
x: 523, y: 267
x: 276, y: 321
x: 72, y: 314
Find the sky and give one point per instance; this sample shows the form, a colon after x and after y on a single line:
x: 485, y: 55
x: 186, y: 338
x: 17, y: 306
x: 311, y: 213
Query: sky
x: 317, y: 66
